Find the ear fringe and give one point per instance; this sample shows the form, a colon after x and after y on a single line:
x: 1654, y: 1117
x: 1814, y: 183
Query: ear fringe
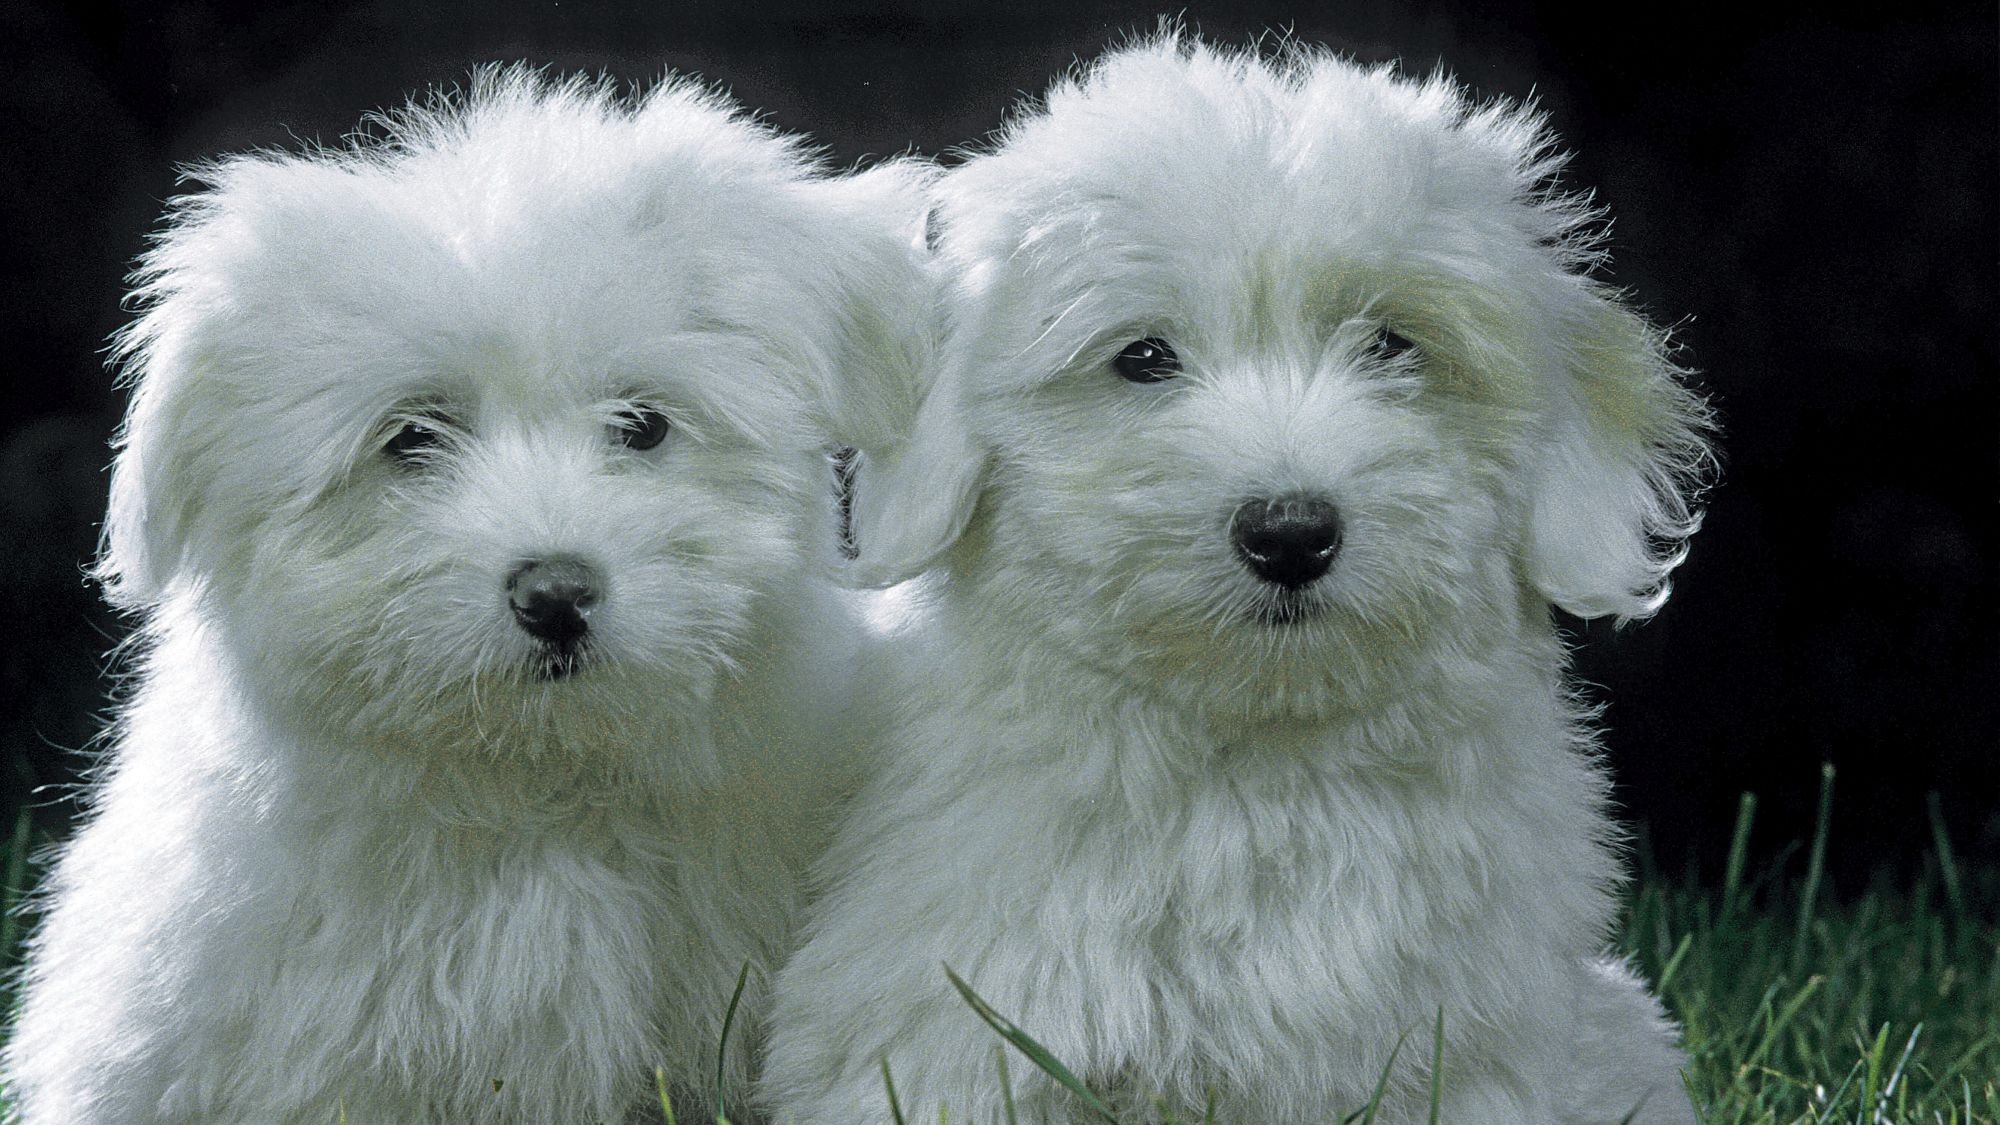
x: 1618, y: 489
x: 887, y: 301
x: 909, y: 507
x: 152, y: 502
x: 132, y: 547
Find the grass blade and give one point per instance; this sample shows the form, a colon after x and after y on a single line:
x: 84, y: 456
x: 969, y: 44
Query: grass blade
x: 1673, y: 964
x: 660, y: 1084
x: 1903, y: 1061
x: 1366, y: 1114
x: 1632, y: 1114
x: 1739, y: 850
x: 1781, y: 1019
x: 1954, y: 889
x: 1815, y: 868
x: 1437, y: 1068
x: 722, y: 1046
x: 1871, y: 1089
x: 1853, y: 1072
x: 889, y: 1084
x: 10, y: 894
x: 1006, y: 1084
x: 1026, y: 1044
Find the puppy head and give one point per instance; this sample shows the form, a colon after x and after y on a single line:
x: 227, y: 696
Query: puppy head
x: 1267, y: 377
x: 503, y: 423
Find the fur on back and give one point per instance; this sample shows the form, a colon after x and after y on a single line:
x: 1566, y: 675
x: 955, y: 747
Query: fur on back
x: 1197, y: 834
x: 358, y: 843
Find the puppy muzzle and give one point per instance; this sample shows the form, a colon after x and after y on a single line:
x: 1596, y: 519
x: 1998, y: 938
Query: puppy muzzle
x: 1289, y: 542
x: 552, y: 600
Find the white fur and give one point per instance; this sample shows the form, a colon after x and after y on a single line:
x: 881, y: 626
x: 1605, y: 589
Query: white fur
x: 347, y: 853
x: 1188, y: 848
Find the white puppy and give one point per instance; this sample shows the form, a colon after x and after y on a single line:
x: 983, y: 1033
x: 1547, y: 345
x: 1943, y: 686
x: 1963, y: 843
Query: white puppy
x: 489, y: 708
x: 1276, y: 412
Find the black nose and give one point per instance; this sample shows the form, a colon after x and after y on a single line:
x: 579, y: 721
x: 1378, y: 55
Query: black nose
x: 552, y: 598
x: 1289, y: 542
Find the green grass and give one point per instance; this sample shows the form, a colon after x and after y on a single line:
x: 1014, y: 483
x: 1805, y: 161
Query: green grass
x: 1801, y: 1005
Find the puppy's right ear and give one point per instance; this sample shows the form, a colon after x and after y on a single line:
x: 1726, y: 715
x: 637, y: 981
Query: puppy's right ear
x: 156, y: 498
x: 180, y: 437
x: 143, y: 523
x: 912, y: 502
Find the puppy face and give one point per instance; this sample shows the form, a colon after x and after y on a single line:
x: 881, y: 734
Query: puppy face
x: 502, y: 429
x: 1269, y: 382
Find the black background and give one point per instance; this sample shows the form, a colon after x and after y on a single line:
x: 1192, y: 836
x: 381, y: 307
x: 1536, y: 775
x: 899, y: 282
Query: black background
x: 1809, y: 195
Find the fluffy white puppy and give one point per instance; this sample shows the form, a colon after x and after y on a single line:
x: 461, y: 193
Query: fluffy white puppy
x: 472, y: 495
x: 1276, y: 412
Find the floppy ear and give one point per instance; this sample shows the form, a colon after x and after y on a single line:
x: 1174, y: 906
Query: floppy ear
x: 198, y: 287
x: 1623, y: 455
x: 146, y: 527
x: 156, y: 507
x: 886, y: 306
x: 912, y: 503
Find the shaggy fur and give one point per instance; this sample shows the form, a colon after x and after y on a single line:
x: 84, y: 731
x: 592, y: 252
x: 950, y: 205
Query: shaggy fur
x: 1194, y: 832
x: 361, y: 843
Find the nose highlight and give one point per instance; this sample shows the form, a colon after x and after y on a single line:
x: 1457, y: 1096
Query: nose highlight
x: 552, y: 598
x: 1288, y: 542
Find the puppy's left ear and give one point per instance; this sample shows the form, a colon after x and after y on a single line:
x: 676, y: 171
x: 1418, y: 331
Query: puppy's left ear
x: 884, y: 304
x: 913, y: 502
x: 1623, y: 458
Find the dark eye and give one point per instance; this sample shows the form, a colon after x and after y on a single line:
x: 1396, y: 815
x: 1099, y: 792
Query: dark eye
x: 640, y: 427
x: 417, y: 440
x: 1392, y: 343
x: 1149, y: 360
